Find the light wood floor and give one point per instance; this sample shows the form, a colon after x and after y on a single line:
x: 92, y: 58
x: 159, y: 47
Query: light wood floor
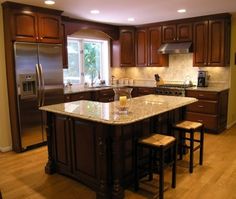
x: 22, y: 175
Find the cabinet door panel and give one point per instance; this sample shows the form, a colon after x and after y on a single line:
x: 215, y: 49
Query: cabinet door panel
x: 127, y: 52
x: 155, y: 59
x: 24, y: 26
x: 168, y: 33
x: 216, y: 42
x: 200, y: 43
x: 141, y: 47
x: 184, y: 32
x: 63, y: 144
x: 49, y: 28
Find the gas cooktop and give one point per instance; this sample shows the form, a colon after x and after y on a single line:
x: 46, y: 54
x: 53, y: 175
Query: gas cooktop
x: 175, y: 86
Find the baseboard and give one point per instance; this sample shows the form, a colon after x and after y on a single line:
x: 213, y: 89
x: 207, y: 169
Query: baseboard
x: 6, y: 149
x: 231, y: 124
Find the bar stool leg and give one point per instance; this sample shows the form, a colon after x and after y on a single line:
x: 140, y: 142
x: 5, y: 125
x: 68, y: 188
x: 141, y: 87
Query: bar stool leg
x: 174, y: 165
x: 181, y: 145
x: 201, y: 145
x: 161, y: 175
x: 191, y: 150
x: 150, y: 165
x: 136, y: 178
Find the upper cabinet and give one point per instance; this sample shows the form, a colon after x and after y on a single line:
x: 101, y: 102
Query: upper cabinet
x: 177, y: 32
x: 32, y: 24
x: 35, y: 27
x: 127, y: 46
x: 148, y: 41
x: 211, y: 42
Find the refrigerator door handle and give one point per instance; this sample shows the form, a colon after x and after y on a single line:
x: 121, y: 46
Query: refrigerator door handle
x: 42, y: 83
x: 39, y: 89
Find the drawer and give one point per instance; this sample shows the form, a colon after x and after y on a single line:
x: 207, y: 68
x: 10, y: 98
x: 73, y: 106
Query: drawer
x: 210, y: 121
x: 77, y: 96
x: 145, y: 91
x: 204, y: 106
x: 106, y: 93
x: 207, y: 95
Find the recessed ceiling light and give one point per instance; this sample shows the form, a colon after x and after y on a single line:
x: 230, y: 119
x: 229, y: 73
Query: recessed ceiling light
x: 181, y: 11
x: 49, y: 2
x: 131, y: 19
x: 94, y: 11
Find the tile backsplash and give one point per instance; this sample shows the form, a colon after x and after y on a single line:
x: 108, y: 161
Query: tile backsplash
x: 180, y: 68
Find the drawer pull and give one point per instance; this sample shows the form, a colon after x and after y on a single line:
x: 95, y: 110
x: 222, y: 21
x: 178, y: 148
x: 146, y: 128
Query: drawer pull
x: 200, y: 106
x: 200, y: 120
x: 200, y: 95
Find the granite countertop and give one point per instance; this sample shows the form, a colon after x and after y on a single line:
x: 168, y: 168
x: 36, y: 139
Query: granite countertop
x: 217, y: 88
x: 140, y: 108
x: 78, y: 89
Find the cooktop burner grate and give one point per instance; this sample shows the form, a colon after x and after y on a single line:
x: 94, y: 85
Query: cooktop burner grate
x: 175, y: 86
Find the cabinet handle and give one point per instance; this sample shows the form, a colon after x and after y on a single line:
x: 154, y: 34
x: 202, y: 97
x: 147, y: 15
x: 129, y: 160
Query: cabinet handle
x: 200, y: 106
x: 37, y: 38
x: 200, y: 120
x: 209, y: 63
x: 41, y: 38
x: 67, y: 97
x: 174, y: 39
x: 200, y: 95
x: 205, y: 63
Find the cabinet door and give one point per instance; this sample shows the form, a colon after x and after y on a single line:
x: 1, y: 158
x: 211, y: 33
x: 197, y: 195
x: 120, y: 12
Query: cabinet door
x: 24, y: 26
x: 141, y: 47
x: 64, y: 46
x: 127, y: 53
x: 168, y: 33
x: 49, y: 28
x: 216, y: 43
x: 200, y: 43
x: 154, y: 38
x: 184, y: 32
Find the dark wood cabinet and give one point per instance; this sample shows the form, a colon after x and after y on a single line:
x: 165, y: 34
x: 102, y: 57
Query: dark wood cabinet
x: 211, y: 109
x: 127, y: 47
x: 145, y: 91
x: 141, y: 47
x: 34, y: 26
x: 78, y: 96
x: 211, y: 42
x: 106, y: 95
x: 177, y: 32
x: 64, y: 46
x: 148, y: 41
x: 154, y: 42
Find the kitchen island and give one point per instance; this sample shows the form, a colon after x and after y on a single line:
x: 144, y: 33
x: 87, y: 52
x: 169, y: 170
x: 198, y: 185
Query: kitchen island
x: 93, y: 143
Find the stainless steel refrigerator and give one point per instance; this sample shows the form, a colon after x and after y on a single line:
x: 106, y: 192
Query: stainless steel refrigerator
x: 39, y: 78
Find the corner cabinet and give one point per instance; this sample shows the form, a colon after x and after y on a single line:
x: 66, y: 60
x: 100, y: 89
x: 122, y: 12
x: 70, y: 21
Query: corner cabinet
x: 127, y: 47
x: 211, y: 42
x: 177, y: 32
x: 29, y: 25
x: 211, y: 109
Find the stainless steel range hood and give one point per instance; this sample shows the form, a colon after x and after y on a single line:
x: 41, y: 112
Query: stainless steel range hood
x: 173, y: 48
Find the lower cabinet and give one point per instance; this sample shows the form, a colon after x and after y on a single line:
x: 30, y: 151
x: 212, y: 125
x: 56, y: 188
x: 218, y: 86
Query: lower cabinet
x: 145, y: 91
x: 211, y: 109
x: 77, y: 96
x: 106, y: 95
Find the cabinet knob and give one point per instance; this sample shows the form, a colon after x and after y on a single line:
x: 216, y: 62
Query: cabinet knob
x: 205, y: 63
x: 37, y: 37
x: 41, y: 37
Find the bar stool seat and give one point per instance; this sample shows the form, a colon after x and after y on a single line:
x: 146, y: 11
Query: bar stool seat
x: 190, y: 127
x: 158, y: 145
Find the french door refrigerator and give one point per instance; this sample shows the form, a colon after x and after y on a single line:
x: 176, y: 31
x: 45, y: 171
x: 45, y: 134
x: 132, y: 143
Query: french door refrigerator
x: 39, y: 78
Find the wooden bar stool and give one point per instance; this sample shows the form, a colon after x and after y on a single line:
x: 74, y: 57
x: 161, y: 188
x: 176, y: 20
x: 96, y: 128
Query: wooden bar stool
x: 190, y: 127
x: 159, y: 146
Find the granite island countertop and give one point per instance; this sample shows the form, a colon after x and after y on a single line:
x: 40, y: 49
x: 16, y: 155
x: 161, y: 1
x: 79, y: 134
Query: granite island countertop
x: 140, y: 108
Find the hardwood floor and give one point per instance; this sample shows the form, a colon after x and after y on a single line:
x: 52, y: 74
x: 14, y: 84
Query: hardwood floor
x: 22, y: 175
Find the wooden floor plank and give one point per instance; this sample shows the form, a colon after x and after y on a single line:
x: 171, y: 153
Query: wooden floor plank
x: 22, y: 175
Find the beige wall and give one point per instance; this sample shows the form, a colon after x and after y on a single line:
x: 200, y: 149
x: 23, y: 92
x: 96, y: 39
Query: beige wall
x: 5, y: 131
x: 232, y: 94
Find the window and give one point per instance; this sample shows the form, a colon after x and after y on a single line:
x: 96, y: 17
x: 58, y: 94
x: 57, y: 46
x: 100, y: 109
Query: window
x: 87, y: 61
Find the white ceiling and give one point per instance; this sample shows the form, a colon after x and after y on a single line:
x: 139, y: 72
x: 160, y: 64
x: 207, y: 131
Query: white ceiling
x: 144, y: 11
